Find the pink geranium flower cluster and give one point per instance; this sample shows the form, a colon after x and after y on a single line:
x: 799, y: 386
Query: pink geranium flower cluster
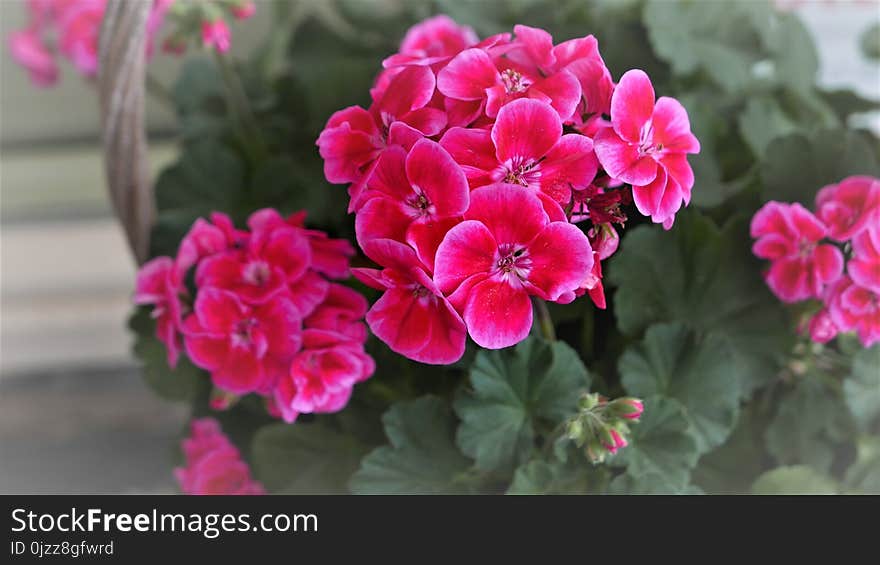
x: 832, y: 255
x: 470, y: 165
x: 266, y: 316
x: 71, y: 29
x: 212, y: 464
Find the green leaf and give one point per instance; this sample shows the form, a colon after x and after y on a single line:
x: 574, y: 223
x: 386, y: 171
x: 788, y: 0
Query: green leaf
x: 862, y: 389
x: 712, y: 37
x: 662, y: 448
x: 796, y: 166
x: 208, y: 177
x: 517, y: 392
x: 762, y: 121
x: 863, y: 476
x: 651, y: 483
x: 811, y: 419
x: 698, y: 371
x: 793, y: 51
x: 551, y: 477
x: 304, y: 458
x: 797, y: 479
x: 422, y: 457
x: 707, y: 279
x: 199, y: 99
x: 869, y: 42
x: 846, y: 102
x: 183, y: 383
x: 734, y: 466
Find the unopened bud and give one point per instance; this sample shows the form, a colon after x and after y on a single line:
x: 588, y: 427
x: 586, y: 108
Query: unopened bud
x: 221, y: 400
x: 627, y: 407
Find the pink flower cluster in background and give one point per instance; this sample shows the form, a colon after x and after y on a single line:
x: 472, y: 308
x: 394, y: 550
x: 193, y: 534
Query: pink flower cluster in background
x: 470, y: 166
x: 212, y: 464
x: 266, y: 316
x: 832, y: 256
x: 71, y: 29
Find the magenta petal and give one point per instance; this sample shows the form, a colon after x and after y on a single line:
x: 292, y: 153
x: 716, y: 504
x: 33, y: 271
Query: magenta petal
x: 828, y: 263
x: 240, y: 373
x: 538, y: 45
x: 409, y: 90
x: 403, y: 135
x: 672, y: 129
x: 773, y: 246
x: 381, y: 218
x: 498, y: 315
x: 426, y: 237
x: 561, y: 258
x: 462, y: 112
x: 806, y: 224
x: 308, y: 292
x: 632, y: 104
x: 205, y: 352
x: 525, y: 129
x: 467, y: 249
x: 677, y: 167
x: 392, y: 254
x: 432, y: 171
x: 429, y: 121
x: 563, y: 90
x: 370, y: 277
x: 788, y: 279
x: 648, y: 198
x: 474, y: 151
x: 401, y: 320
x: 217, y: 310
x: 621, y: 159
x: 571, y: 164
x: 389, y: 175
x: 468, y: 75
x: 513, y: 214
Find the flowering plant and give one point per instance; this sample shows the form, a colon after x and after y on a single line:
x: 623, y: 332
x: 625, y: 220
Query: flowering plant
x: 541, y: 278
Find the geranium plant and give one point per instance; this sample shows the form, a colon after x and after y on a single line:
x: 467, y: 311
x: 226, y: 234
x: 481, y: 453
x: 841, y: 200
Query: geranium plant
x: 548, y: 269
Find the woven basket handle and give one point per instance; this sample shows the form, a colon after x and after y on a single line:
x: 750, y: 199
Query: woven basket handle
x: 122, y: 71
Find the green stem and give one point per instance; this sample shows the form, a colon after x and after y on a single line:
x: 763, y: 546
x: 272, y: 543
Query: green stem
x: 240, y: 110
x: 545, y: 322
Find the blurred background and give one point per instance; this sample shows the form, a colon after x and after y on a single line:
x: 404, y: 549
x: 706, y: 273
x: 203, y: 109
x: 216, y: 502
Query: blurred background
x: 75, y: 416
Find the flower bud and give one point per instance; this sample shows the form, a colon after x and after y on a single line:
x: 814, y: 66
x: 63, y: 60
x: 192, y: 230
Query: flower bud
x: 221, y: 400
x: 627, y: 407
x: 243, y: 10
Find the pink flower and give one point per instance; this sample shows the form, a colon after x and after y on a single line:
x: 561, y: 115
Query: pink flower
x: 244, y: 10
x: 474, y: 76
x: 408, y: 196
x: 216, y: 34
x: 854, y: 308
x: 342, y: 312
x: 789, y: 235
x: 206, y: 238
x: 864, y: 266
x: 821, y: 327
x: 79, y: 25
x: 506, y: 250
x: 246, y: 348
x: 321, y: 376
x: 525, y: 147
x: 412, y: 316
x: 432, y: 41
x: 213, y: 464
x: 353, y: 138
x: 849, y: 207
x: 272, y: 259
x: 29, y: 52
x: 160, y: 283
x: 647, y: 147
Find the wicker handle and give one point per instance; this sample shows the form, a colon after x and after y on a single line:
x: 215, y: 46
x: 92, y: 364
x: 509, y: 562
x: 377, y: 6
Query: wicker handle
x: 122, y: 70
